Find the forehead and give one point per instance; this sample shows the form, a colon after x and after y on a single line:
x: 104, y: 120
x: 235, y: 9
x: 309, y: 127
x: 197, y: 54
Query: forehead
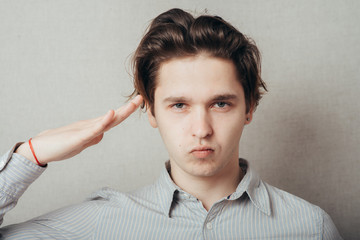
x: 196, y: 76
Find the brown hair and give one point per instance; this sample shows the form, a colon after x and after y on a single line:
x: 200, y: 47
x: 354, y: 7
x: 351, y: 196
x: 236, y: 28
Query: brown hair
x: 176, y: 33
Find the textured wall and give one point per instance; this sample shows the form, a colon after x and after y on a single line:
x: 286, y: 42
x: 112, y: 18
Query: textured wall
x: 62, y: 61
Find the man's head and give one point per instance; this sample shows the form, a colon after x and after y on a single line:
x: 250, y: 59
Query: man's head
x: 177, y: 34
x: 200, y: 79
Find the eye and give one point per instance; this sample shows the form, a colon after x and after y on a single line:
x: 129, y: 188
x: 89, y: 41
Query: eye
x: 221, y: 104
x: 178, y: 105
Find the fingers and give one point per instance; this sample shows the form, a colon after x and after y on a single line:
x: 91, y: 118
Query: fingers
x: 137, y: 100
x: 99, y: 126
x: 113, y: 118
x: 129, y: 108
x: 124, y: 112
x: 107, y: 119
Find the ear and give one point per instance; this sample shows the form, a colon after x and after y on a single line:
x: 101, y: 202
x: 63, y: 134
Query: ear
x: 249, y: 116
x: 151, y: 117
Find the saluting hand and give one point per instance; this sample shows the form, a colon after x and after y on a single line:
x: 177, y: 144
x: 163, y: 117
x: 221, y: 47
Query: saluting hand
x: 68, y: 141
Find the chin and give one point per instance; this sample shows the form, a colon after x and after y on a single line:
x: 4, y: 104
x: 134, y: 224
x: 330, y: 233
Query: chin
x: 205, y: 170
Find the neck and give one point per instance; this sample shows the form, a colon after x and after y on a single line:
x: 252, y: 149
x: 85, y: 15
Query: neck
x: 209, y: 189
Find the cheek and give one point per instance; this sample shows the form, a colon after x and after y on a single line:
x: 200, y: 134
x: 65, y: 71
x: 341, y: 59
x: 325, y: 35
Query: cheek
x: 231, y: 136
x: 171, y: 134
x: 229, y: 130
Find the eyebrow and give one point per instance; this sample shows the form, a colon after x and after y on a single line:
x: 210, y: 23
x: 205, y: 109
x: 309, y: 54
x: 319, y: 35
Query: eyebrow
x: 218, y: 97
x: 223, y: 97
x: 176, y: 99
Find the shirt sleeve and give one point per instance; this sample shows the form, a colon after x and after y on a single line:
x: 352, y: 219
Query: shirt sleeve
x: 16, y: 175
x: 330, y: 231
x: 73, y: 222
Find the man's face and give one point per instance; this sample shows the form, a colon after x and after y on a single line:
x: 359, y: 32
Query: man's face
x: 200, y: 111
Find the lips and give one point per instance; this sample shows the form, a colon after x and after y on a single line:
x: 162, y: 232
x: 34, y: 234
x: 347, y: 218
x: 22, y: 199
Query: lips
x: 202, y: 152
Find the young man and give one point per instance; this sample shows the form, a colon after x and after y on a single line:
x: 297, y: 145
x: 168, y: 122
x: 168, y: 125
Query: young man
x: 199, y: 79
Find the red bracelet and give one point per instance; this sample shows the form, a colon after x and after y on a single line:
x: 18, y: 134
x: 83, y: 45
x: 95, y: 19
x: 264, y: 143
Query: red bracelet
x: 33, y: 152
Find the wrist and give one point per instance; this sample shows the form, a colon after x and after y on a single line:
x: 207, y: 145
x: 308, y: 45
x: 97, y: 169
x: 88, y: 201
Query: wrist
x: 26, y: 150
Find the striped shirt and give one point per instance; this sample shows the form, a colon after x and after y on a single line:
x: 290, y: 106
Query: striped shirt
x: 162, y: 210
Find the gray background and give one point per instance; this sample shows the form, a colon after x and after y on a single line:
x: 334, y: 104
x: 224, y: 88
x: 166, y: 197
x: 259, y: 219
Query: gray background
x: 63, y: 61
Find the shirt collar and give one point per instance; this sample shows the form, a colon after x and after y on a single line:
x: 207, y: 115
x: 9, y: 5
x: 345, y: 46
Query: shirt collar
x: 254, y: 187
x: 166, y: 189
x: 251, y: 184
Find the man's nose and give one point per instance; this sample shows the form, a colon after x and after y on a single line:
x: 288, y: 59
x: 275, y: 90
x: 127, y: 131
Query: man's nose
x: 201, y: 124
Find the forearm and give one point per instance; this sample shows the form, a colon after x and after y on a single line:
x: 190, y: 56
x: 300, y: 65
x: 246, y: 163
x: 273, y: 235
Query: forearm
x: 16, y: 174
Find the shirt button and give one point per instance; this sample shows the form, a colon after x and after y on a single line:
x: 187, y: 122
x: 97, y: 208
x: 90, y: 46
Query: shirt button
x: 209, y: 225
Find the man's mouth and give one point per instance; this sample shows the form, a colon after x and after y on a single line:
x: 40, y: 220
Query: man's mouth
x: 202, y: 152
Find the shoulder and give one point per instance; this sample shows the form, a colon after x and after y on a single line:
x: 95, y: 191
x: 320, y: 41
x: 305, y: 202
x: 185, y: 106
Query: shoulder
x: 281, y: 199
x: 299, y: 212
x: 287, y: 204
x: 110, y: 197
